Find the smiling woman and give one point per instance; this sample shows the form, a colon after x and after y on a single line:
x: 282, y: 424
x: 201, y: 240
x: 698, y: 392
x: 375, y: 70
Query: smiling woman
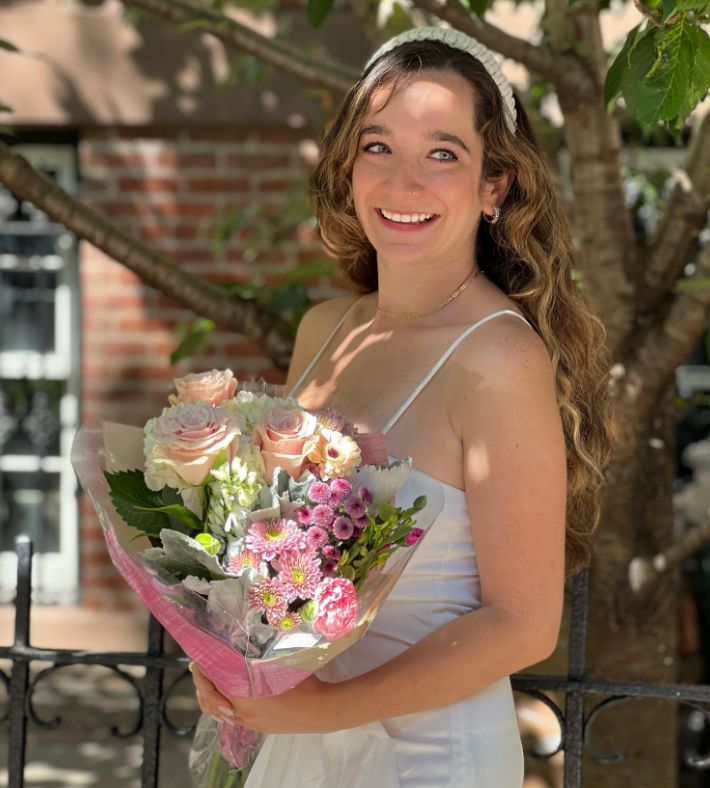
x: 468, y: 345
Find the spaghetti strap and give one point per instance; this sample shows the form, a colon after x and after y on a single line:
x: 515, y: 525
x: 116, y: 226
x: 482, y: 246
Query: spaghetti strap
x: 325, y: 344
x: 403, y: 407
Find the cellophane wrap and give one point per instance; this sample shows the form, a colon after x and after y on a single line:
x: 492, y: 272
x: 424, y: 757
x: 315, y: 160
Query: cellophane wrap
x: 208, y: 636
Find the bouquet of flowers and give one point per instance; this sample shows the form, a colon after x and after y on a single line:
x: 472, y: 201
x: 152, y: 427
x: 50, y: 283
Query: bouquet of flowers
x: 263, y: 537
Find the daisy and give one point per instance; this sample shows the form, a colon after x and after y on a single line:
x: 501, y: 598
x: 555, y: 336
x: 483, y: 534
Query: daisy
x: 246, y: 560
x: 286, y: 622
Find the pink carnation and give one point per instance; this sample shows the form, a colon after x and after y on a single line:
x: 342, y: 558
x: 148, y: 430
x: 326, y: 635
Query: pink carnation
x: 269, y: 537
x: 335, y: 607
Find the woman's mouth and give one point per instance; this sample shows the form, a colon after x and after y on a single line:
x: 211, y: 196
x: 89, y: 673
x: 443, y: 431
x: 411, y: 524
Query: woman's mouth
x: 399, y: 220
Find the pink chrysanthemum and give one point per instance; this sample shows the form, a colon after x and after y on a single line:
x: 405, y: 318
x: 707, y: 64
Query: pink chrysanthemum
x: 328, y: 568
x: 413, y: 536
x: 364, y: 494
x: 355, y: 507
x: 343, y: 527
x: 269, y: 596
x: 322, y: 515
x: 316, y: 537
x: 319, y: 492
x: 362, y: 522
x: 331, y: 552
x: 270, y: 537
x: 286, y: 622
x: 245, y: 560
x: 299, y: 574
x: 303, y: 515
x: 340, y: 489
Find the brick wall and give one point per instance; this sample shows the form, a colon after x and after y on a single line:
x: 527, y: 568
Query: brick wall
x: 167, y: 189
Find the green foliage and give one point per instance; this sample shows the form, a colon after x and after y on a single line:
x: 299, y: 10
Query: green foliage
x: 145, y: 509
x: 193, y: 335
x: 476, y: 7
x: 7, y: 46
x: 318, y: 10
x: 663, y: 70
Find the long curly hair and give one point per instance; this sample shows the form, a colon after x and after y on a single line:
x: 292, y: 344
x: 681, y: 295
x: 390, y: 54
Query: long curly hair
x: 527, y: 254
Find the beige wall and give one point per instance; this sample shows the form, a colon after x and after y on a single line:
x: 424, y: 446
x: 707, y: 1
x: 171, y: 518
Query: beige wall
x: 83, y: 65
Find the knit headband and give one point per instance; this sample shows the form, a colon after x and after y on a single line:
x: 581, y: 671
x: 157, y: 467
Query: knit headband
x: 458, y: 40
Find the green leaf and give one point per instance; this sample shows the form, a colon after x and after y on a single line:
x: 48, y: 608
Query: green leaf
x: 612, y: 83
x: 137, y: 505
x: 661, y: 93
x: 5, y: 108
x: 181, y: 555
x: 641, y: 58
x: 195, y: 334
x: 698, y: 82
x: 318, y: 10
x: 7, y: 46
x: 179, y: 512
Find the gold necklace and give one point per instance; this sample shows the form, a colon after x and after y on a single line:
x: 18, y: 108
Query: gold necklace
x: 456, y: 292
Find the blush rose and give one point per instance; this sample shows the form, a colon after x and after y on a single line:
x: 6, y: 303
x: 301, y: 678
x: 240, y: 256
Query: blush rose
x: 211, y: 387
x: 281, y: 434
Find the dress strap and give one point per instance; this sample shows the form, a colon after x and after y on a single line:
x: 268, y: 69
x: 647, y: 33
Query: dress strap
x: 441, y: 361
x: 315, y: 358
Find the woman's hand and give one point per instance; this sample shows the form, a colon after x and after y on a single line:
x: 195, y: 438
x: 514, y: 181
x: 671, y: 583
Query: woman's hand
x: 307, y: 708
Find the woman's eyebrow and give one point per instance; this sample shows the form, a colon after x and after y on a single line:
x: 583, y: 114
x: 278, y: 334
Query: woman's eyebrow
x: 439, y: 136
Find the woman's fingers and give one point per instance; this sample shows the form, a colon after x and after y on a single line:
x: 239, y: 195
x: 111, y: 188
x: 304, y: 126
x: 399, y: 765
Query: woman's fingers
x: 211, y: 702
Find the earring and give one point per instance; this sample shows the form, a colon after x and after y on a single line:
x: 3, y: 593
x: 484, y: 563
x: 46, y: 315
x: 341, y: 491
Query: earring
x: 496, y: 216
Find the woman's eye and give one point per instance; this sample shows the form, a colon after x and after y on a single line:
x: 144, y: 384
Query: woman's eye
x: 375, y: 147
x: 444, y: 155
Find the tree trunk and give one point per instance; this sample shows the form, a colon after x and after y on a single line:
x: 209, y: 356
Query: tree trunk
x: 635, y: 638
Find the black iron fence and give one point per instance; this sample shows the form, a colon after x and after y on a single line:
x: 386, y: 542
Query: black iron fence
x: 575, y: 722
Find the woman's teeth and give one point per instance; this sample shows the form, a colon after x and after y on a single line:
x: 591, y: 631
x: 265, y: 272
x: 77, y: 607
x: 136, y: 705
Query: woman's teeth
x: 407, y: 218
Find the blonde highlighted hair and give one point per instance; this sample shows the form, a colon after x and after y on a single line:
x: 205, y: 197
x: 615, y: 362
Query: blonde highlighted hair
x: 527, y: 253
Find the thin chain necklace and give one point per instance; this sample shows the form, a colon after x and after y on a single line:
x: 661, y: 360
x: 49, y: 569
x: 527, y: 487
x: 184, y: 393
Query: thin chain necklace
x: 456, y: 292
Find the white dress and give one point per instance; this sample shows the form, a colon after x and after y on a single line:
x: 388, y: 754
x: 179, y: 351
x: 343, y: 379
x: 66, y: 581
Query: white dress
x: 474, y: 743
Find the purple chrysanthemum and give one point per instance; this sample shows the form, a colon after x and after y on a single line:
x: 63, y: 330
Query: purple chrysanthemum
x: 269, y: 596
x: 328, y: 568
x: 319, y: 492
x: 331, y: 552
x: 364, y: 494
x: 355, y: 507
x: 362, y: 522
x: 340, y: 489
x: 316, y: 537
x: 245, y: 560
x: 300, y: 574
x: 270, y: 537
x: 343, y: 527
x: 322, y: 515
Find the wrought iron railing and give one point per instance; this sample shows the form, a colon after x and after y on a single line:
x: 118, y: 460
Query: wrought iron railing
x: 575, y: 723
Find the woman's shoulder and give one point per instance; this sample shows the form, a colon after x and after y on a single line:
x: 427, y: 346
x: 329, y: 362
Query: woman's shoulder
x: 315, y: 327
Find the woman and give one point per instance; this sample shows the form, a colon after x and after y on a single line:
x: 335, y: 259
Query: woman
x: 470, y: 347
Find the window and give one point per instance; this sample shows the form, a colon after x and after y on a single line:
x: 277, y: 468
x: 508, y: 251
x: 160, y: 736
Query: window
x: 39, y: 385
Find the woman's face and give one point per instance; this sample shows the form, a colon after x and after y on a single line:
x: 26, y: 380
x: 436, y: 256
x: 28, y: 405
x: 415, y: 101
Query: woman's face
x: 417, y: 173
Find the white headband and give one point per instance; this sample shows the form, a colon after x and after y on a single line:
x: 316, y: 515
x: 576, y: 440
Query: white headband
x: 458, y: 40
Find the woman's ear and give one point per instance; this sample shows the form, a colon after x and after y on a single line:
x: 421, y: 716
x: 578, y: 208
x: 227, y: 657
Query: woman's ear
x: 495, y: 190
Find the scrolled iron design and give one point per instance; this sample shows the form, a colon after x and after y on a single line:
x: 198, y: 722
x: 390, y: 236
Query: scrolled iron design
x: 694, y: 759
x: 33, y: 715
x: 178, y: 730
x: 559, y: 714
x: 616, y: 756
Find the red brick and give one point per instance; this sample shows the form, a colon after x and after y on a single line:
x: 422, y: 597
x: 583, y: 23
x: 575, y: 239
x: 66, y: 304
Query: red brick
x: 92, y: 157
x: 148, y: 184
x: 218, y: 184
x: 257, y: 161
x: 275, y: 186
x: 175, y: 159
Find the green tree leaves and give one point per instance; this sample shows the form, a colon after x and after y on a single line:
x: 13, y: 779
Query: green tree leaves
x: 663, y: 71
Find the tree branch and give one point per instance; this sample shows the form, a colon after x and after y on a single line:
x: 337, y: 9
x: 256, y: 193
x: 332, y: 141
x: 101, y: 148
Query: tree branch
x: 323, y: 73
x: 663, y: 347
x: 565, y: 72
x: 685, y: 214
x: 232, y: 312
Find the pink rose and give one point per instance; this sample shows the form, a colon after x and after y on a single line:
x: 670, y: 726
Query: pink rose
x: 210, y: 387
x: 182, y: 445
x: 281, y: 434
x: 335, y: 607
